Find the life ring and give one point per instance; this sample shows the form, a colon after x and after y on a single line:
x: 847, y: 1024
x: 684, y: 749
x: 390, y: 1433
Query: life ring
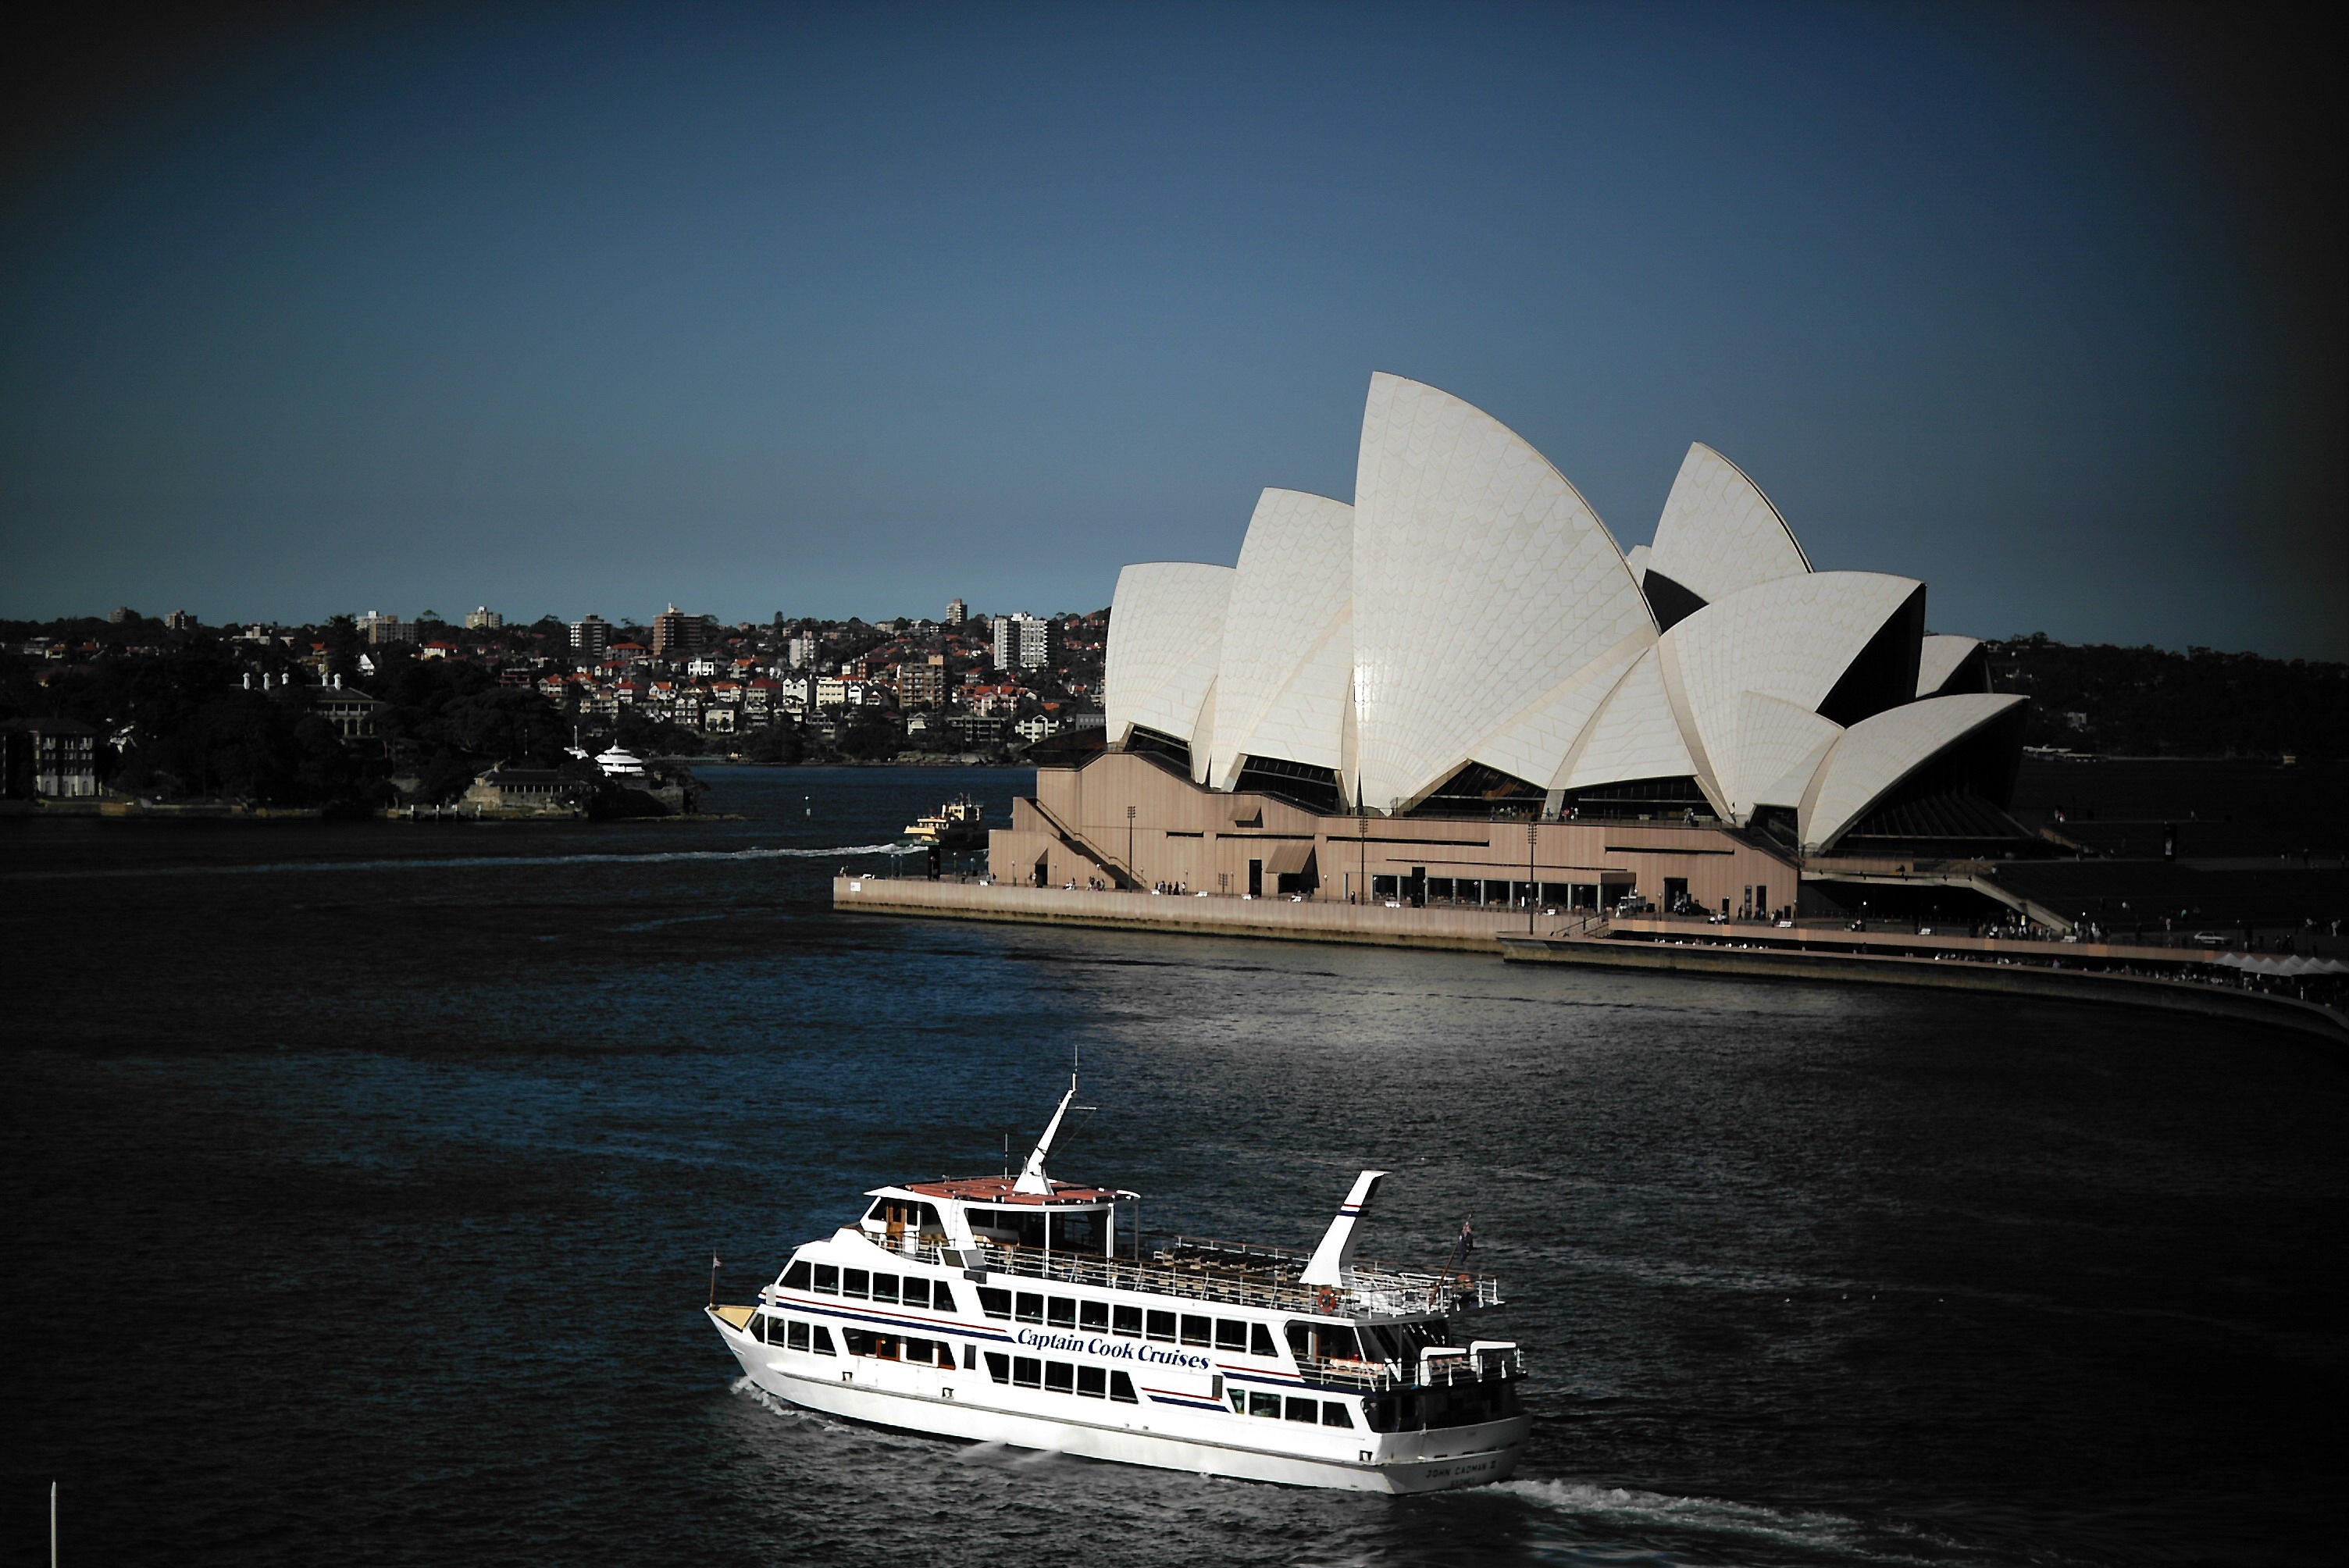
x: 1327, y: 1302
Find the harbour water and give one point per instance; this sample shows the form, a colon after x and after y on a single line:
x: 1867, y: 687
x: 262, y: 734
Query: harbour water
x: 363, y: 1181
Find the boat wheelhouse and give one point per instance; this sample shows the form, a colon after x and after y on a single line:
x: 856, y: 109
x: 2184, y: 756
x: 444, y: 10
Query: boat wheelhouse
x: 1032, y: 1312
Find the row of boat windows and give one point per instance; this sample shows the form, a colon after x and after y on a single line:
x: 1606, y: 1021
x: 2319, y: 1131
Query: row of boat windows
x: 1463, y: 1405
x: 1062, y: 1378
x: 1458, y: 1407
x: 1132, y: 1321
x: 1329, y: 1412
x: 863, y: 1285
x: 794, y: 1335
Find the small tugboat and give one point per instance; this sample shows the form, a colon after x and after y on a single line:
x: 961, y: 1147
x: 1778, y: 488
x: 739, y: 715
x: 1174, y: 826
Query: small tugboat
x: 956, y: 825
x: 1002, y: 1309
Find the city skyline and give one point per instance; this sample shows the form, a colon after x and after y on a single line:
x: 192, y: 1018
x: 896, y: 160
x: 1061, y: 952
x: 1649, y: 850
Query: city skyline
x: 842, y: 316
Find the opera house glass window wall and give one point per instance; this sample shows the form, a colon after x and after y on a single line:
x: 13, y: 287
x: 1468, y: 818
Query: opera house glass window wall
x: 1466, y: 647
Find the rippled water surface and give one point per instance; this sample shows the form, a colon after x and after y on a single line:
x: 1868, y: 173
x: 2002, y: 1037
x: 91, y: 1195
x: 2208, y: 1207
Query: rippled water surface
x: 363, y: 1180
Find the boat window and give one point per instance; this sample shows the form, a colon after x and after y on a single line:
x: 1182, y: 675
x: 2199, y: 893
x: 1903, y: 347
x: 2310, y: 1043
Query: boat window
x: 1260, y: 1340
x: 1012, y: 1227
x: 827, y: 1280
x: 796, y: 1277
x: 942, y: 1297
x: 1335, y: 1414
x: 1162, y: 1327
x: 1032, y: 1307
x: 1381, y: 1413
x: 1195, y: 1330
x: 1264, y: 1405
x: 1093, y: 1315
x: 998, y: 1367
x: 1239, y: 1403
x: 1080, y: 1231
x: 995, y: 1302
x: 1329, y: 1342
x: 1120, y: 1388
x: 1060, y: 1378
x: 795, y: 1335
x: 918, y: 1293
x: 1028, y: 1371
x: 921, y: 1350
x: 1128, y: 1320
x: 857, y: 1282
x: 970, y: 1360
x: 884, y: 1287
x: 1063, y: 1313
x: 1306, y: 1411
x: 1092, y: 1382
x: 1231, y: 1333
x: 822, y: 1345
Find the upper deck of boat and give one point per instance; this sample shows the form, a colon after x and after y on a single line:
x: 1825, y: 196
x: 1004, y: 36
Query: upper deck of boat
x: 1003, y: 1189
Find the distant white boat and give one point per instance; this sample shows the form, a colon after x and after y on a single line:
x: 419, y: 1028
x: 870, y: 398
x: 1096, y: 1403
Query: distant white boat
x: 618, y: 764
x: 998, y: 1310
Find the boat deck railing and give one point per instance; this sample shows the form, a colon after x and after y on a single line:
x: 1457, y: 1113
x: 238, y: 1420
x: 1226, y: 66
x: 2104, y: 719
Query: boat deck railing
x: 1472, y: 1366
x: 1232, y: 1273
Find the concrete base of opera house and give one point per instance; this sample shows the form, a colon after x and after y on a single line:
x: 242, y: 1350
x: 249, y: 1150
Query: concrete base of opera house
x: 1127, y: 819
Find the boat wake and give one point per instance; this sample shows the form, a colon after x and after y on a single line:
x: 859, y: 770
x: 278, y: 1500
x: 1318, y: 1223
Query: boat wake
x: 1708, y: 1523
x: 445, y: 862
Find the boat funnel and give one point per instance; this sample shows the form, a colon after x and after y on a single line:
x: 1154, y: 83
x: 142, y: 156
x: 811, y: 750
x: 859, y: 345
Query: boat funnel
x: 1337, y: 1248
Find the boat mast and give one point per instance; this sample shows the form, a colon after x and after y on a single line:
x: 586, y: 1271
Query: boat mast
x: 1032, y: 1175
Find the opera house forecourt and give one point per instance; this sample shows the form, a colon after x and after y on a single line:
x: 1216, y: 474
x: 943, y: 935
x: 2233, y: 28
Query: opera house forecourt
x: 1459, y: 692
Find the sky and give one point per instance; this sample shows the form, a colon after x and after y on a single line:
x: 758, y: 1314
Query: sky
x: 850, y: 311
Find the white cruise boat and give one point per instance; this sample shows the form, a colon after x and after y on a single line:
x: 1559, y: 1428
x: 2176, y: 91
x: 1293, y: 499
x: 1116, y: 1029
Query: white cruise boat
x: 1002, y: 1309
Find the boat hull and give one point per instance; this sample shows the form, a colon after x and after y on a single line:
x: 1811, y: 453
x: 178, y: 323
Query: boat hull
x: 1206, y: 1441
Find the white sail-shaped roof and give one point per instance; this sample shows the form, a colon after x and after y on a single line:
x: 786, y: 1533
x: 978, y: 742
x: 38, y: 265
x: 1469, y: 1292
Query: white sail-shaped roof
x: 1288, y: 648
x: 1166, y: 632
x: 1876, y: 754
x: 1634, y: 736
x: 1791, y: 639
x: 1481, y: 581
x: 1719, y: 533
x: 1779, y: 747
x: 1534, y: 744
x: 1636, y: 558
x: 1938, y: 659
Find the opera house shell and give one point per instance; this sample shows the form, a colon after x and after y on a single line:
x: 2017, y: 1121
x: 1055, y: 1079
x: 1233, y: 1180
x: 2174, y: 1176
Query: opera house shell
x: 1467, y: 640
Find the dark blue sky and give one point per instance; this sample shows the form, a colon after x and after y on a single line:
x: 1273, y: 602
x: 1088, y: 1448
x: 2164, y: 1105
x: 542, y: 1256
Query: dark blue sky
x: 849, y: 313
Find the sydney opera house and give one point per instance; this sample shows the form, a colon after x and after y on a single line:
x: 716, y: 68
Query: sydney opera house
x: 1460, y: 688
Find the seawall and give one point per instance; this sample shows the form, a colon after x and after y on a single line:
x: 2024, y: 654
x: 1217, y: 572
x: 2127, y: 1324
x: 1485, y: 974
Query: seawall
x: 1463, y: 930
x: 1495, y: 932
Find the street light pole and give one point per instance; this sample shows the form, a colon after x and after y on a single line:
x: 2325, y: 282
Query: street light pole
x: 1129, y: 850
x: 1533, y: 886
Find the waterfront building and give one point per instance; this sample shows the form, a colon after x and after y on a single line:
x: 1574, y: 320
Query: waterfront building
x: 1359, y: 705
x: 47, y: 759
